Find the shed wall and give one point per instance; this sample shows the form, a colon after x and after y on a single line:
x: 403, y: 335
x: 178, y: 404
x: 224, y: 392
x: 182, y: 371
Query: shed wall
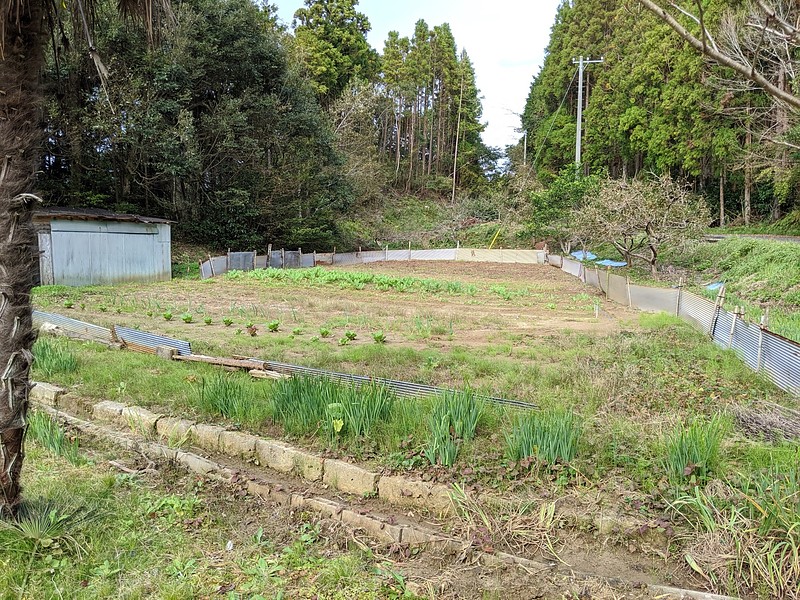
x: 107, y: 252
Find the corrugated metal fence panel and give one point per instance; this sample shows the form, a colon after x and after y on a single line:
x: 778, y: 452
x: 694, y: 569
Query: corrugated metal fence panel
x: 276, y: 259
x: 554, y: 260
x: 291, y: 259
x: 476, y: 255
x: 241, y: 261
x: 147, y: 342
x: 745, y: 342
x: 573, y: 267
x: 87, y: 330
x: 592, y: 277
x: 445, y: 254
x: 205, y: 270
x: 697, y: 310
x: 261, y: 261
x: 617, y: 288
x: 346, y: 258
x: 654, y: 299
x: 324, y: 258
x: 306, y: 260
x: 398, y: 255
x: 219, y: 264
x: 371, y: 256
x: 780, y: 359
x: 722, y: 328
x: 525, y: 257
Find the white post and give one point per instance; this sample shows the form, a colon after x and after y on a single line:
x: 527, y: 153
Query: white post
x: 680, y: 294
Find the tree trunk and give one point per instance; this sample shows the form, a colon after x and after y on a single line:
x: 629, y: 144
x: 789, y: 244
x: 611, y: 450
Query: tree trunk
x: 19, y: 103
x: 748, y: 178
x: 722, y: 199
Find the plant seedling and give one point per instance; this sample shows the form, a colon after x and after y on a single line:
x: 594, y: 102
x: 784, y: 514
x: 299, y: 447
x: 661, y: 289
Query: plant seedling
x: 207, y: 320
x: 252, y: 330
x: 83, y: 305
x: 167, y: 316
x: 227, y: 321
x: 297, y: 331
x: 343, y: 341
x: 68, y: 304
x: 350, y: 335
x: 273, y: 326
x: 379, y: 337
x: 186, y: 318
x: 324, y: 332
x: 102, y: 308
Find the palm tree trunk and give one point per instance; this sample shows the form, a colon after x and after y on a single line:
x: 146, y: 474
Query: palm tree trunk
x: 20, y: 61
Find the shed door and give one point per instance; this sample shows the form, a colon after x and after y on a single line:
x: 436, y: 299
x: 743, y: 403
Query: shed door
x: 45, y: 259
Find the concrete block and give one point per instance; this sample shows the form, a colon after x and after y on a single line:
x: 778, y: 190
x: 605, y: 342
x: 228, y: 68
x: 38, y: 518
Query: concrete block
x: 107, y: 411
x: 234, y: 443
x: 139, y: 419
x: 46, y: 393
x: 207, y: 436
x: 75, y: 405
x: 349, y: 478
x: 402, y: 491
x: 175, y: 432
x: 327, y: 508
x: 286, y: 459
x: 374, y: 527
x: 197, y: 464
x: 256, y: 488
x: 415, y: 536
x: 165, y: 352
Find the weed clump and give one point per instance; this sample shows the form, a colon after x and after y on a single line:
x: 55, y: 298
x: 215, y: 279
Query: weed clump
x: 234, y: 397
x: 549, y: 436
x: 50, y: 358
x: 692, y: 453
x: 454, y: 419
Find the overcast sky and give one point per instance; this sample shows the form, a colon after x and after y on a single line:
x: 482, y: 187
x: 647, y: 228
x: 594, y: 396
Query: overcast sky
x: 505, y: 40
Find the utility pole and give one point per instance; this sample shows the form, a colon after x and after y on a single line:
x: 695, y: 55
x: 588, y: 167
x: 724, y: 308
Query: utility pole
x: 581, y: 62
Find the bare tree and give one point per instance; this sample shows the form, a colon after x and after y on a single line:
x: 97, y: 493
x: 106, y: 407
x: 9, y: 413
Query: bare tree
x: 757, y: 44
x: 639, y: 218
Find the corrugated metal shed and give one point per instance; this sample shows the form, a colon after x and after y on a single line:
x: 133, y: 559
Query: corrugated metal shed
x: 95, y: 247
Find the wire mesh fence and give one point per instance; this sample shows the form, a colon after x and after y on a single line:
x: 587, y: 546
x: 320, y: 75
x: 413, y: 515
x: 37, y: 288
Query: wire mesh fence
x: 762, y: 350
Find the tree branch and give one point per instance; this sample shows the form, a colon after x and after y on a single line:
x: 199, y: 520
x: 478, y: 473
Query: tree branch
x: 744, y: 70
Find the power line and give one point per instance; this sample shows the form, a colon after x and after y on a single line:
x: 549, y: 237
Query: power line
x: 553, y: 121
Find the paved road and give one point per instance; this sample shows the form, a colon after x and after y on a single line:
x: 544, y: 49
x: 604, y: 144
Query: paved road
x: 761, y: 236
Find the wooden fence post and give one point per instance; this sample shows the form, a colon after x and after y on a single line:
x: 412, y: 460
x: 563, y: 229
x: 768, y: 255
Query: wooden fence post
x: 717, y: 307
x: 680, y: 296
x: 628, y: 288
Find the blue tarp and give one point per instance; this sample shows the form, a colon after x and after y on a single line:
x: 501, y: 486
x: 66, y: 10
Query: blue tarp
x: 714, y: 286
x: 611, y: 263
x: 581, y: 255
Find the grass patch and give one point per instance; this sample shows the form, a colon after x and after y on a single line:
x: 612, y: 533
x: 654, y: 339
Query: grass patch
x: 52, y: 357
x: 552, y: 436
x: 693, y: 452
x: 50, y: 435
x: 235, y: 397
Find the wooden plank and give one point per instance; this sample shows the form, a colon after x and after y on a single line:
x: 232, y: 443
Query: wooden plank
x: 223, y: 362
x: 264, y: 374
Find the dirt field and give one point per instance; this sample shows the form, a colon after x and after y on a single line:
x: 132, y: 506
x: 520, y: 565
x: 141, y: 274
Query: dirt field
x: 511, y: 311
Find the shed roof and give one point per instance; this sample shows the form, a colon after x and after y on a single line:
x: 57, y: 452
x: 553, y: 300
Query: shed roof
x: 91, y: 214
